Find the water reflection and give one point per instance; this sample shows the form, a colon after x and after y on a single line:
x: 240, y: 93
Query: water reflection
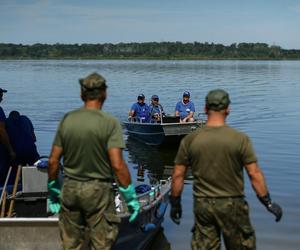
x: 151, y: 163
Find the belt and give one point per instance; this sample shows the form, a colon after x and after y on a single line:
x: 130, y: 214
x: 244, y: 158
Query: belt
x: 222, y: 197
x: 104, y: 180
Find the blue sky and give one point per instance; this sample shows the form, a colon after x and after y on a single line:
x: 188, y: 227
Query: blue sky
x: 100, y: 21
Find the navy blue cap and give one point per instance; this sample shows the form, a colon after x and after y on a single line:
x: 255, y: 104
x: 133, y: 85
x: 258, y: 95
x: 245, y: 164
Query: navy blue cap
x: 3, y: 90
x: 154, y: 97
x: 141, y: 97
x: 186, y: 93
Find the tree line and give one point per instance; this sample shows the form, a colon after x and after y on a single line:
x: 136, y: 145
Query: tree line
x: 148, y: 50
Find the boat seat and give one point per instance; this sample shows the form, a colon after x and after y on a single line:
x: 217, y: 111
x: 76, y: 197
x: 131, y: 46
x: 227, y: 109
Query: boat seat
x: 170, y: 119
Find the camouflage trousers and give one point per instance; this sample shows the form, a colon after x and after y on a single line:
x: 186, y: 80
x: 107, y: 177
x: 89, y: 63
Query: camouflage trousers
x: 228, y: 217
x: 88, y: 211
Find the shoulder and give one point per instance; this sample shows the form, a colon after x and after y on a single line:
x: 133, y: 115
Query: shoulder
x: 134, y: 106
x: 236, y: 132
x: 191, y: 103
x: 188, y: 139
x: 24, y: 118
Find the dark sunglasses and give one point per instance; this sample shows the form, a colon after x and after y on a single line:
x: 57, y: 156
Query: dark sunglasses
x: 155, y: 99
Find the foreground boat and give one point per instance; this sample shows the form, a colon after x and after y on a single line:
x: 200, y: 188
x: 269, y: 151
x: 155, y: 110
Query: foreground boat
x: 42, y: 232
x: 169, y: 131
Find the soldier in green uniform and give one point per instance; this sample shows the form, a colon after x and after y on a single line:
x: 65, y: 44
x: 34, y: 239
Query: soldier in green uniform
x: 217, y: 155
x: 91, y: 144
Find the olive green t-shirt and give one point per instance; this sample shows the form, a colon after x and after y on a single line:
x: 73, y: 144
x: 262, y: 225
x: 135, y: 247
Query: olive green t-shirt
x: 217, y: 156
x: 85, y: 136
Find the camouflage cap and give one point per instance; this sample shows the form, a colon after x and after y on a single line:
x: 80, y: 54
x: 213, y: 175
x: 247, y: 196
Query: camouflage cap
x: 217, y: 99
x: 93, y: 81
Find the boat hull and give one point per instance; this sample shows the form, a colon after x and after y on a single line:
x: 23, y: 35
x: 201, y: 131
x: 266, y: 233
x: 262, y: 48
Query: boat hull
x: 43, y: 233
x: 160, y: 133
x: 21, y: 233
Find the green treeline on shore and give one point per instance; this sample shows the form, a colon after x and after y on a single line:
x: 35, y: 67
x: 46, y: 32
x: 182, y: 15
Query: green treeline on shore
x: 148, y: 50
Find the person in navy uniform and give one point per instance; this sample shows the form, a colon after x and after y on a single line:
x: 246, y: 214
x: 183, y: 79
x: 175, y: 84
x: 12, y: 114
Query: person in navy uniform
x: 140, y: 111
x: 21, y: 134
x: 7, y: 154
x: 185, y: 108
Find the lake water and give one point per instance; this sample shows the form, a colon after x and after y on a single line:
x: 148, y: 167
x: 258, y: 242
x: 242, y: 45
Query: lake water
x: 265, y: 104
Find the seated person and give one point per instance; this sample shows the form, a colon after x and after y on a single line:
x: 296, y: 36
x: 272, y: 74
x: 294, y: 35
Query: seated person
x: 185, y: 108
x: 156, y: 109
x: 140, y: 110
x: 22, y: 137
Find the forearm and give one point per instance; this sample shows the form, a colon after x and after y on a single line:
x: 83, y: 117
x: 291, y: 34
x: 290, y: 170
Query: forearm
x: 53, y: 162
x: 53, y: 168
x: 131, y: 113
x: 178, y: 180
x: 191, y: 114
x: 259, y: 185
x: 123, y: 175
x: 257, y: 179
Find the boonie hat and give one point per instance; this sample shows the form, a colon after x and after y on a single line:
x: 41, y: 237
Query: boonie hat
x: 186, y: 93
x: 154, y: 97
x: 141, y: 97
x: 3, y: 90
x: 217, y: 99
x: 93, y: 81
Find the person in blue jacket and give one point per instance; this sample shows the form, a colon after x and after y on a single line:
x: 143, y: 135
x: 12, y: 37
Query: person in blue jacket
x: 140, y: 111
x: 185, y: 108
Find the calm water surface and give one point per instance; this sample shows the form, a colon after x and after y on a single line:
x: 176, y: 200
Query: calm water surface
x: 265, y: 104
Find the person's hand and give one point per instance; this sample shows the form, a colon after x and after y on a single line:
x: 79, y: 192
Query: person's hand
x: 54, y: 196
x: 272, y: 207
x: 130, y: 198
x: 176, y: 210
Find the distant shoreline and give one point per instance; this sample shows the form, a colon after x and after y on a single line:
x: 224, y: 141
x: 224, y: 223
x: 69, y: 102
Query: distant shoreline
x: 147, y: 51
x: 148, y: 59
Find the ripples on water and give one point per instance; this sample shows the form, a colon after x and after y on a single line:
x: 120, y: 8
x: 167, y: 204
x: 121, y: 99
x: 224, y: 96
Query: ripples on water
x: 265, y: 104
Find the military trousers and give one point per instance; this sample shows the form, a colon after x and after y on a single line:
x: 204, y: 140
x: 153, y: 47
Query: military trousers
x: 228, y: 217
x: 87, y: 212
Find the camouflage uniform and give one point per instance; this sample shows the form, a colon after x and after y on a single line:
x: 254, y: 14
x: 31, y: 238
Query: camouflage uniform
x: 217, y: 156
x: 96, y: 207
x: 87, y: 200
x: 227, y: 215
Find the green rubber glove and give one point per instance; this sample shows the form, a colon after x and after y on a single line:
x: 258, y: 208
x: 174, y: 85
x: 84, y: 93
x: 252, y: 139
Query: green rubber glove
x: 54, y: 196
x: 130, y: 198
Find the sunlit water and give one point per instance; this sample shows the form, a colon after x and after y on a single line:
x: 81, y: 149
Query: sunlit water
x: 265, y: 104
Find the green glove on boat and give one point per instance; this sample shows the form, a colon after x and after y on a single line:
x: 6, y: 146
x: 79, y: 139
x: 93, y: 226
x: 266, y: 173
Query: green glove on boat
x: 130, y: 198
x: 54, y: 196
